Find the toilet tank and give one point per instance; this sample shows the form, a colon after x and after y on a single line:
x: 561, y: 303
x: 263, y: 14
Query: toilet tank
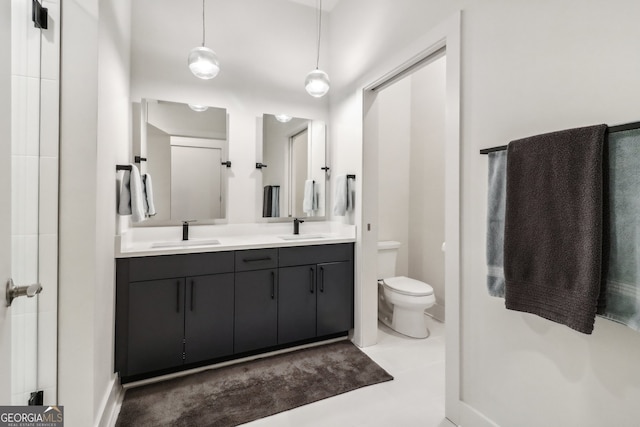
x: 387, y: 255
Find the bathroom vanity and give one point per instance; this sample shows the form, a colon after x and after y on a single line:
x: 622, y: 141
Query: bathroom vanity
x: 179, y: 310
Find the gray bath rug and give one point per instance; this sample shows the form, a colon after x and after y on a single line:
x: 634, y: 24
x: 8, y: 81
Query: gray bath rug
x: 237, y: 394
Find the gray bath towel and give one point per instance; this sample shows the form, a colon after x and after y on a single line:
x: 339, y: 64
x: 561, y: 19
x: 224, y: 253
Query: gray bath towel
x: 623, y: 278
x: 553, y: 236
x: 496, y: 199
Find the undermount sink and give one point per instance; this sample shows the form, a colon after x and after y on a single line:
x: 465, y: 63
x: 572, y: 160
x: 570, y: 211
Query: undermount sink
x: 185, y: 243
x: 302, y: 236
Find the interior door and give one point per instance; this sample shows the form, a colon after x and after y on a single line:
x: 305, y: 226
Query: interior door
x: 5, y: 194
x: 196, y: 160
x: 28, y: 246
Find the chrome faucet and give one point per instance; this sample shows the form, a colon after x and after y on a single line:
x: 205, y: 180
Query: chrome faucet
x: 296, y: 225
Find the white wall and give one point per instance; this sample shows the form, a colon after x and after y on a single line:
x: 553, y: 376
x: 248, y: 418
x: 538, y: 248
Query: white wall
x: 113, y: 147
x: 533, y: 68
x: 394, y: 154
x: 78, y: 151
x: 527, y: 68
x: 94, y: 129
x: 426, y: 194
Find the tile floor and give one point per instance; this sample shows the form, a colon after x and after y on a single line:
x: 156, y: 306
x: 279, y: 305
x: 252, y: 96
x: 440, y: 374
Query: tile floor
x: 415, y: 398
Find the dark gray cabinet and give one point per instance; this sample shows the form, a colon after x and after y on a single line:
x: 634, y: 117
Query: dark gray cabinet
x: 178, y: 321
x: 335, y: 298
x: 163, y: 323
x: 315, y: 292
x: 156, y: 325
x: 177, y: 311
x: 256, y: 299
x: 208, y: 329
x: 297, y: 304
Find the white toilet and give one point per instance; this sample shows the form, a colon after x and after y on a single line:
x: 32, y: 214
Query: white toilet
x: 401, y: 300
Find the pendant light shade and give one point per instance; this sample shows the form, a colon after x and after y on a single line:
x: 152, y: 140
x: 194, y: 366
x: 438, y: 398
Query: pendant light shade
x: 203, y: 62
x: 317, y: 81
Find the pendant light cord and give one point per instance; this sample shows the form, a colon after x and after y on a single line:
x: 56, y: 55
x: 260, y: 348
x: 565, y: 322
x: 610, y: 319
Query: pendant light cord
x: 202, y: 23
x: 319, y: 32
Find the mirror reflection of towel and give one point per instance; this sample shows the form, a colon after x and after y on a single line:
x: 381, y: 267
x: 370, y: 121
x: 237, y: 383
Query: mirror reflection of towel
x: 310, y: 201
x: 275, y: 201
x: 149, y: 207
x: 344, y: 198
x: 351, y: 193
x: 271, y: 201
x: 266, y: 201
x: 340, y: 196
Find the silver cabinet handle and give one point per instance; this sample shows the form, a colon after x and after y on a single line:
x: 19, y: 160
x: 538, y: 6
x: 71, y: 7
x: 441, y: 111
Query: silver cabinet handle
x: 14, y: 291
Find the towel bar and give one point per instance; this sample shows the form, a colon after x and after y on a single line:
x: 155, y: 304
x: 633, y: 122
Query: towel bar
x: 123, y: 167
x: 611, y: 129
x: 351, y: 177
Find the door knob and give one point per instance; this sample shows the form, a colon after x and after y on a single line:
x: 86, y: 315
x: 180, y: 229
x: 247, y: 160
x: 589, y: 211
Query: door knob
x: 14, y: 291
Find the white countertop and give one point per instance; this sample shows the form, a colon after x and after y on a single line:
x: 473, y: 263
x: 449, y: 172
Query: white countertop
x: 150, y: 241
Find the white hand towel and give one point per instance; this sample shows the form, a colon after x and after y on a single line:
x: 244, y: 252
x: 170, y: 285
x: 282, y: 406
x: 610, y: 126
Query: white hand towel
x: 340, y: 196
x: 137, y: 195
x: 149, y: 207
x: 131, y: 195
x: 124, y: 207
x: 309, y: 197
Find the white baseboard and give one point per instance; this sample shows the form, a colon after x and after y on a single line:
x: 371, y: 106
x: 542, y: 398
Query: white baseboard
x: 471, y: 417
x: 111, y: 405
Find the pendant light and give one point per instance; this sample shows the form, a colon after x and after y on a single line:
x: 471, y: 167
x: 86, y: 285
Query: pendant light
x: 203, y: 62
x: 317, y: 81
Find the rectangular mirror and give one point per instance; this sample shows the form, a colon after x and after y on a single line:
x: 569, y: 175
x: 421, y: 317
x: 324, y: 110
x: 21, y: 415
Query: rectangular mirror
x: 186, y: 148
x: 293, y: 167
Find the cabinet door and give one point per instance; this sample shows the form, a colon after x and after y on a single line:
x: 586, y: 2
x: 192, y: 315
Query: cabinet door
x: 208, y: 317
x: 296, y: 303
x: 156, y: 325
x: 335, y: 298
x: 256, y: 310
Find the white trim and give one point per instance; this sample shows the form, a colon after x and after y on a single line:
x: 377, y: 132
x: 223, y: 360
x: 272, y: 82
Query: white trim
x: 111, y: 404
x: 447, y: 35
x: 469, y: 416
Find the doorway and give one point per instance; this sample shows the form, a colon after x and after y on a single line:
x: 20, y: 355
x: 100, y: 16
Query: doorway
x: 411, y: 143
x: 445, y: 36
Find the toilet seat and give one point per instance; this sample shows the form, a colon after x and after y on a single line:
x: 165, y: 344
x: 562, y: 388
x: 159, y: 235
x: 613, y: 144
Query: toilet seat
x: 407, y: 286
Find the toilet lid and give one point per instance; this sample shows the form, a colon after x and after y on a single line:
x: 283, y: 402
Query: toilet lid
x: 407, y: 286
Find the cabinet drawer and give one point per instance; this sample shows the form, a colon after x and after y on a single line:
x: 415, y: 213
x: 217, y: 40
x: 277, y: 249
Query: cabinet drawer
x: 301, y: 255
x: 168, y: 266
x: 256, y: 259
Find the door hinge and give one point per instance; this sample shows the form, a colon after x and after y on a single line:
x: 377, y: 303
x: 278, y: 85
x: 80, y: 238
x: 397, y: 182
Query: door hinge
x: 184, y: 356
x: 37, y: 398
